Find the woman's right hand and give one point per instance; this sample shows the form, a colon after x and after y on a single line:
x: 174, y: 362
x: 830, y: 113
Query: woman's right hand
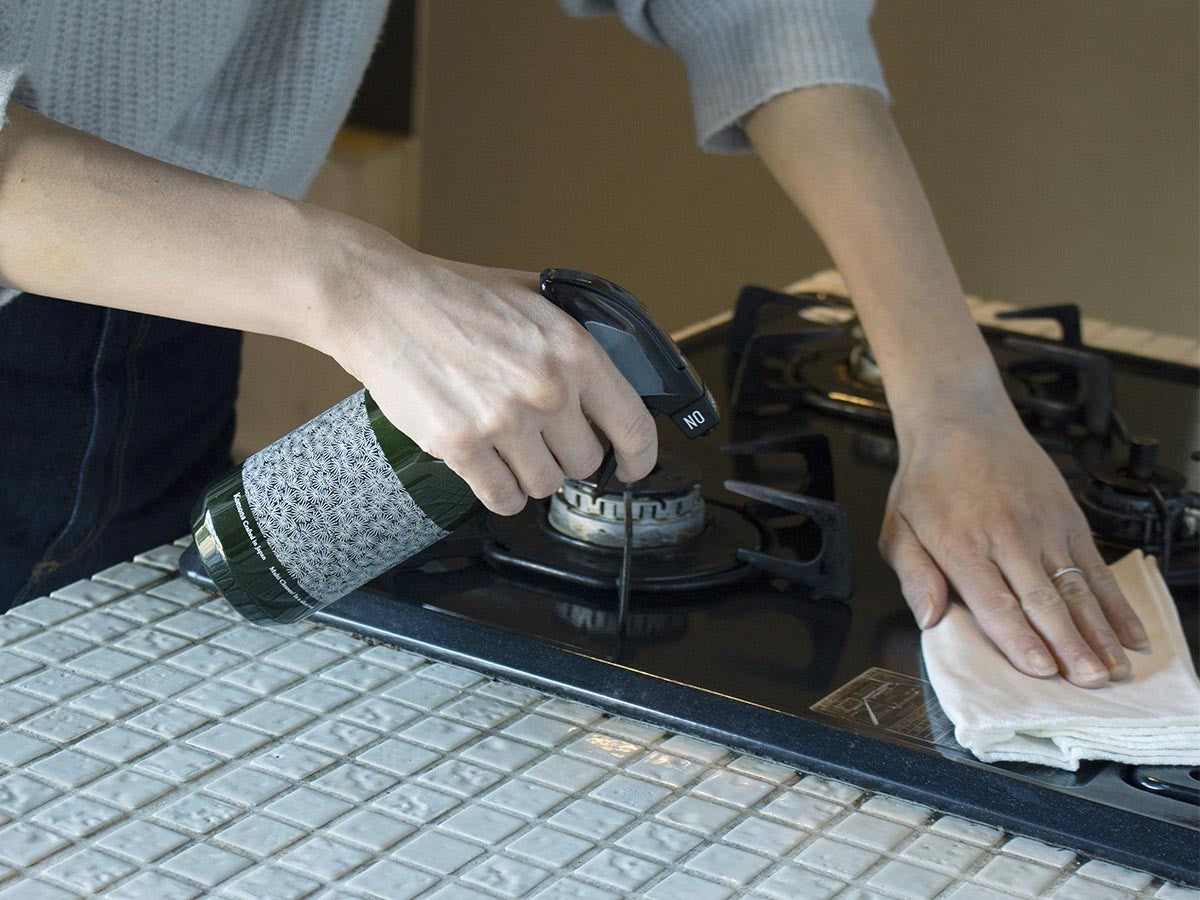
x: 478, y: 369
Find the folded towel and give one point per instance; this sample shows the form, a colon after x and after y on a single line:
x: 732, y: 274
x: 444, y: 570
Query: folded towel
x: 1153, y: 717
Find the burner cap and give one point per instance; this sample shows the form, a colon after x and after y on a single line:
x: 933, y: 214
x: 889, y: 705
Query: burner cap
x: 667, y: 509
x: 1136, y: 502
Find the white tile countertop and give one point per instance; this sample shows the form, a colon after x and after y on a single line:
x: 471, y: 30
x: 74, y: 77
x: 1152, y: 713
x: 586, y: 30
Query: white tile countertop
x: 154, y: 744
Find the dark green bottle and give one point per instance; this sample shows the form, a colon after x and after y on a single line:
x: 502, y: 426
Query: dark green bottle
x: 322, y: 511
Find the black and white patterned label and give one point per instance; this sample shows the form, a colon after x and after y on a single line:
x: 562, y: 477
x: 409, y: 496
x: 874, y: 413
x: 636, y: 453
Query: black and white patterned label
x: 330, y: 505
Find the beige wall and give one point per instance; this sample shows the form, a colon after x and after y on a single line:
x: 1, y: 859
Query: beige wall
x: 1057, y: 141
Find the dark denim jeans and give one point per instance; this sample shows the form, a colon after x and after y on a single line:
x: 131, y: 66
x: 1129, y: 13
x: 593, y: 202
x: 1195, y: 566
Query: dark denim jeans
x: 111, y: 423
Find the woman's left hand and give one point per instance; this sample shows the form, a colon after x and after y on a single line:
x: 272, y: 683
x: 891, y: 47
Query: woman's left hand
x: 979, y: 508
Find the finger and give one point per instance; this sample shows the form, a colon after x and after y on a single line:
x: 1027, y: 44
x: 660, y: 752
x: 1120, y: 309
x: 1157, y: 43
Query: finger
x: 611, y: 402
x: 999, y: 615
x: 1120, y: 614
x: 574, y: 444
x: 921, y: 581
x: 1091, y: 622
x: 530, y: 460
x: 1049, y: 612
x: 490, y: 479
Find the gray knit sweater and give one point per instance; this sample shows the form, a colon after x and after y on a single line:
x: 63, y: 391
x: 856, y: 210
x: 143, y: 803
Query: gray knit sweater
x: 253, y: 91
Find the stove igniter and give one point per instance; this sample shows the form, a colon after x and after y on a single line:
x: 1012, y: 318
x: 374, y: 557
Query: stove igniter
x: 1137, y: 502
x: 662, y: 516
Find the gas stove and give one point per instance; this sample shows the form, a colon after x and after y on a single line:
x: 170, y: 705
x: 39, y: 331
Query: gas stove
x: 758, y: 612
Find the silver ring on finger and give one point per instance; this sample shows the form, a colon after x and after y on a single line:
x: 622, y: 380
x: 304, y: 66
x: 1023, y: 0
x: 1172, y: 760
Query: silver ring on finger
x: 1065, y: 570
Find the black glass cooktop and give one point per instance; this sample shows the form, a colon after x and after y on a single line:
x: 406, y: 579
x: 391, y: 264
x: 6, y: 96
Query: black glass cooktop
x: 827, y: 678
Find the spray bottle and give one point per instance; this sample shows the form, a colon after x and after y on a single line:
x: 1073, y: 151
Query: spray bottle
x: 346, y: 496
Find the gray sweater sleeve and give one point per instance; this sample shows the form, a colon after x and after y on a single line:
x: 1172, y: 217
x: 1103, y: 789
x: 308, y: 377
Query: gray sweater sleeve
x: 10, y: 77
x: 14, y: 85
x: 8, y: 81
x: 740, y: 53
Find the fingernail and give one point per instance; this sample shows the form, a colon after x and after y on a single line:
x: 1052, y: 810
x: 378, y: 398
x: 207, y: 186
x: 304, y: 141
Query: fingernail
x: 1137, y: 636
x: 1090, y: 670
x: 1042, y: 663
x: 1118, y: 666
x: 924, y: 613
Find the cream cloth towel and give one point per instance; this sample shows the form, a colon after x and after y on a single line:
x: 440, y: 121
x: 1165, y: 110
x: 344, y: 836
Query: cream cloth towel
x: 998, y: 713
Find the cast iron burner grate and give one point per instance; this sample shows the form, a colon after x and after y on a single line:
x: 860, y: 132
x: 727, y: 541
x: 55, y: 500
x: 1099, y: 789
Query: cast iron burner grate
x: 803, y: 541
x: 1063, y: 391
x: 826, y: 364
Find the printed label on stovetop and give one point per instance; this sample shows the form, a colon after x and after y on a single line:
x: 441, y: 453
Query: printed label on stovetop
x: 891, y: 701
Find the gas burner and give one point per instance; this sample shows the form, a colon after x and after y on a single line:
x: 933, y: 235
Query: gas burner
x: 826, y: 364
x: 692, y: 544
x: 1137, y: 504
x: 667, y: 509
x: 776, y: 535
x: 1058, y: 387
x: 682, y: 542
x: 530, y: 543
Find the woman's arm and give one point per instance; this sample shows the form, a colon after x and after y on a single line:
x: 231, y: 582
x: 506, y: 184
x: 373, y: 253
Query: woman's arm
x: 86, y: 220
x: 976, y: 505
x: 471, y: 362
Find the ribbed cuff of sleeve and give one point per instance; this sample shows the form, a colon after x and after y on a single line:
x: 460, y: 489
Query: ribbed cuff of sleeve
x: 13, y: 84
x: 739, y: 55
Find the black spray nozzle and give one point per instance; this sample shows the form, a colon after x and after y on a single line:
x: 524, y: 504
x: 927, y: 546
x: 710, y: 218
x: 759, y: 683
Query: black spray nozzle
x: 638, y: 347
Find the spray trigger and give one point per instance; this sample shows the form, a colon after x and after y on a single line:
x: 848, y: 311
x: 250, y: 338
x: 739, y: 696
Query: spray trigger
x: 597, y: 483
x: 642, y: 352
